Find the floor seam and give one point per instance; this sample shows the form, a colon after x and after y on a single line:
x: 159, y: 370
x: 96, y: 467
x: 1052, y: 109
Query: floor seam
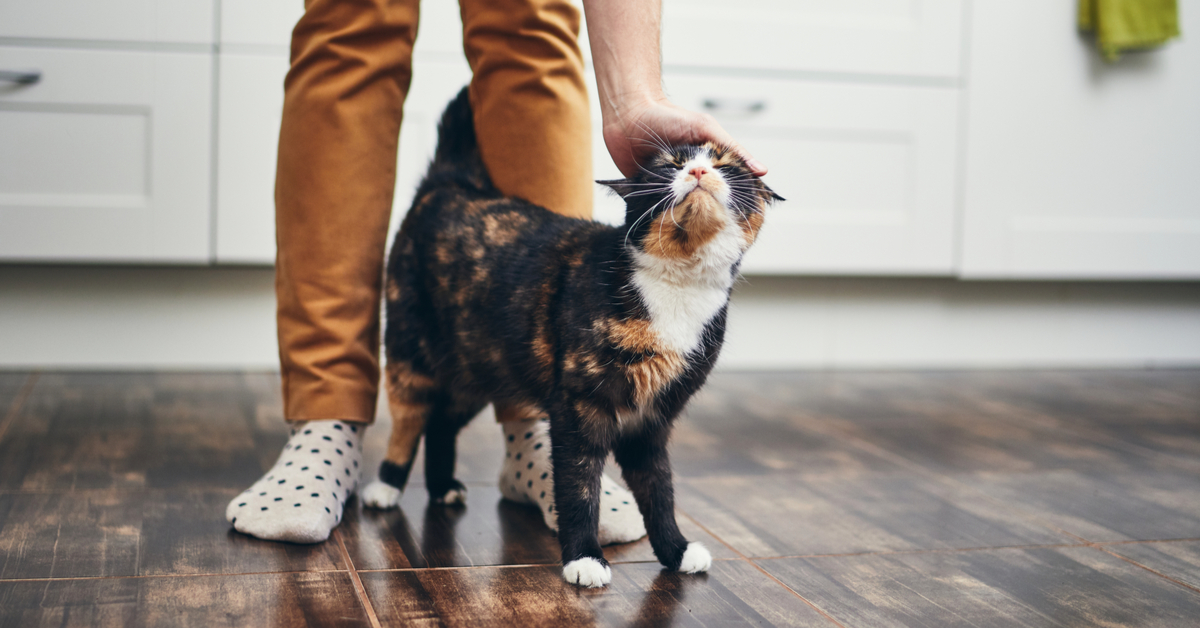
x: 359, y: 590
x: 173, y: 575
x: 939, y: 550
x: 17, y: 403
x: 866, y: 445
x: 764, y: 572
x: 1153, y: 571
x: 516, y: 566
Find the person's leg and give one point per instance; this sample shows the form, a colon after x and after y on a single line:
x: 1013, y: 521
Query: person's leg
x: 344, y: 98
x: 530, y: 102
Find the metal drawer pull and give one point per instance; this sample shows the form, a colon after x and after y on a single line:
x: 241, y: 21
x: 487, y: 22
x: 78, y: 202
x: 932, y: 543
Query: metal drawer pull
x: 722, y: 106
x: 28, y: 77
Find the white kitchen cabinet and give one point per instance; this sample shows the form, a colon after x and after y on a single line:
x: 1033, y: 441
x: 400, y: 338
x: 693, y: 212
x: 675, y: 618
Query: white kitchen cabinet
x: 140, y: 21
x: 250, y: 109
x: 107, y: 158
x: 1076, y: 168
x: 259, y: 22
x: 901, y: 38
x: 251, y: 104
x: 868, y: 170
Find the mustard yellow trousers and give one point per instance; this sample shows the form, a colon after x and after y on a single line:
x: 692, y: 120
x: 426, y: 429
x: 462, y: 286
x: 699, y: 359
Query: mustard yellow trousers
x: 351, y: 66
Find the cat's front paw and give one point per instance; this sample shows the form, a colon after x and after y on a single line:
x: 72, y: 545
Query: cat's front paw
x: 696, y: 559
x: 380, y: 495
x: 587, y: 572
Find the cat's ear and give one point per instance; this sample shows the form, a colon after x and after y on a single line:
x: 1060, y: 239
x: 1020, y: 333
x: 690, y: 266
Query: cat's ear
x: 771, y: 194
x: 621, y: 186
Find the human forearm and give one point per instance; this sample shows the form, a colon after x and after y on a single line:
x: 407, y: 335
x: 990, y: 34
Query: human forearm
x: 637, y: 115
x: 624, y: 36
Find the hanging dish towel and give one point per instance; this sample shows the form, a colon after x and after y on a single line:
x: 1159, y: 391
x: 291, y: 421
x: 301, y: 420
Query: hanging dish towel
x: 1122, y: 25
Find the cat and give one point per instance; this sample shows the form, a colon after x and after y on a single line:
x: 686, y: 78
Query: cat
x: 607, y: 331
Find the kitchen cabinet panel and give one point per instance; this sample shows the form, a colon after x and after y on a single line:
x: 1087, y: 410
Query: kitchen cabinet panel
x: 109, y: 158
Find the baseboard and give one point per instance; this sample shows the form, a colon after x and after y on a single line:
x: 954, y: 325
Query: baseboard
x: 62, y: 317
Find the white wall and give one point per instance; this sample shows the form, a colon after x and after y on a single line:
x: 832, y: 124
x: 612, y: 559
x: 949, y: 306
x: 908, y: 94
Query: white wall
x: 209, y: 318
x: 122, y: 317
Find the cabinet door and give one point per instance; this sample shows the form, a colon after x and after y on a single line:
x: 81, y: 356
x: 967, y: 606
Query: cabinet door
x: 868, y: 171
x: 1076, y: 168
x: 248, y: 138
x: 159, y: 21
x: 250, y: 110
x: 260, y: 22
x: 886, y: 37
x: 107, y: 157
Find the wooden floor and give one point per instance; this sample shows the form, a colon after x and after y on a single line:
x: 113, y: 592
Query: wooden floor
x: 863, y: 499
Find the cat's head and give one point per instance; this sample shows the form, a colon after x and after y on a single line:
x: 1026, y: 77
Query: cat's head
x: 688, y: 197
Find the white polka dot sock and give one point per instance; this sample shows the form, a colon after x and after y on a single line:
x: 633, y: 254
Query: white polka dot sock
x: 527, y: 477
x: 301, y: 498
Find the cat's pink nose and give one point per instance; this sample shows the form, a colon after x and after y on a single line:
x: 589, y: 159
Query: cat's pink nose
x: 698, y: 171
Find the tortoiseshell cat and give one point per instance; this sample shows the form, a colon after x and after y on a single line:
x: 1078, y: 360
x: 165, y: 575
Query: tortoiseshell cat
x: 608, y: 331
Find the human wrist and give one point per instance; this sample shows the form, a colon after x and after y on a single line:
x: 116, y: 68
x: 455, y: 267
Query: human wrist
x: 621, y: 106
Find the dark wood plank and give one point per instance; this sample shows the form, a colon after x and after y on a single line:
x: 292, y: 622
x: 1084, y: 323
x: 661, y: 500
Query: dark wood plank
x: 728, y: 432
x: 94, y: 431
x: 1093, y: 395
x: 488, y: 531
x: 130, y: 533
x: 782, y: 515
x: 11, y: 383
x: 734, y: 593
x: 303, y: 599
x: 129, y: 459
x: 996, y: 439
x: 1099, y: 506
x: 1071, y: 586
x: 865, y: 396
x: 1175, y: 560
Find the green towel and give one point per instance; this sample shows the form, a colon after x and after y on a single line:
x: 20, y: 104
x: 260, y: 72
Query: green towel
x: 1122, y: 25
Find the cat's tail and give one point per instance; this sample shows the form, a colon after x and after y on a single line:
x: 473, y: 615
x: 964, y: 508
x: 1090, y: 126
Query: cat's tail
x: 457, y: 161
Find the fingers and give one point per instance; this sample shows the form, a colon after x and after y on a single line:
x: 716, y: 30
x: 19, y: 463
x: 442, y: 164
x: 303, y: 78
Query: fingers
x: 718, y: 134
x: 629, y: 139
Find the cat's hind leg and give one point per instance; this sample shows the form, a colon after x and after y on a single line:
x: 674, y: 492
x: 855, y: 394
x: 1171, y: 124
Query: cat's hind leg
x: 441, y: 435
x: 410, y: 396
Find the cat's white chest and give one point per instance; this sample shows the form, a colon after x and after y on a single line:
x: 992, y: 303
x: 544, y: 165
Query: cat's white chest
x: 683, y: 299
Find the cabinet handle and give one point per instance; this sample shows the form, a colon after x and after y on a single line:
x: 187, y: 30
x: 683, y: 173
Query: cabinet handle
x: 728, y: 106
x: 23, y: 77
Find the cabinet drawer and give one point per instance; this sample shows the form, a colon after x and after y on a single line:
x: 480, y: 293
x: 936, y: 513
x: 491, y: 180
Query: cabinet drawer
x: 161, y: 21
x: 107, y: 157
x: 251, y: 96
x: 890, y: 37
x: 868, y: 171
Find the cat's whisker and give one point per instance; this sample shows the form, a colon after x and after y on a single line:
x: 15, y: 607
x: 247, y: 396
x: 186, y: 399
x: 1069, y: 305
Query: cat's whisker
x: 644, y: 214
x: 661, y: 143
x: 655, y: 174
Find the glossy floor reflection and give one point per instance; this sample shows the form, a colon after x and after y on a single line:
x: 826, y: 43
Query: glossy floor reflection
x: 853, y: 499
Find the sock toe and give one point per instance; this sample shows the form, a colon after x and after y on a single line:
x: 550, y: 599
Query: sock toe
x: 301, y: 499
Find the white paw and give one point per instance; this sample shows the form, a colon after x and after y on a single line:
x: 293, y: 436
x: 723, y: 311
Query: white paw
x: 454, y: 496
x: 380, y: 495
x: 587, y: 572
x: 696, y: 559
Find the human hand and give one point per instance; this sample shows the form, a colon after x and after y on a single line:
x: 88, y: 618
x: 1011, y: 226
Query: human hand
x: 638, y: 129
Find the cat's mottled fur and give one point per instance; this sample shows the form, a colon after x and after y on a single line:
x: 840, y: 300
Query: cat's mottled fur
x: 607, y: 331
